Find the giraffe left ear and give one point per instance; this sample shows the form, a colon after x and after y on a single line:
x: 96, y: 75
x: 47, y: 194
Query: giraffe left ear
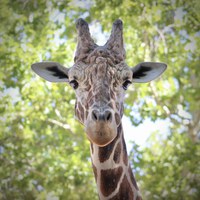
x: 51, y: 71
x: 148, y: 71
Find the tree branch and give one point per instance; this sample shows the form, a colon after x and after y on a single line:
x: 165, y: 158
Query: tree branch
x: 60, y: 124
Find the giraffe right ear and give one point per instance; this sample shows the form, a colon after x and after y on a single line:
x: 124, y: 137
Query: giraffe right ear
x: 51, y: 71
x: 147, y: 71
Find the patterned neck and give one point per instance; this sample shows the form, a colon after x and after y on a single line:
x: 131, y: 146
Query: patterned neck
x: 113, y: 174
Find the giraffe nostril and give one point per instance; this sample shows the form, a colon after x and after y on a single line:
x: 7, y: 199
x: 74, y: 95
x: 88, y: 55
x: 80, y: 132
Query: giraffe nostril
x: 94, y: 115
x: 101, y: 116
x: 108, y: 116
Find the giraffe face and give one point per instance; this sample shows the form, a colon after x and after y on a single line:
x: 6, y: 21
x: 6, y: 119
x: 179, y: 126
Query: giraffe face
x: 100, y: 87
x: 99, y: 78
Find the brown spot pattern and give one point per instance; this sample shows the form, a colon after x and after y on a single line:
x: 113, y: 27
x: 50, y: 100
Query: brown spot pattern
x: 117, y: 105
x: 117, y: 119
x: 92, y: 148
x: 82, y: 116
x: 125, y: 156
x: 91, y: 101
x: 109, y: 180
x: 119, y: 129
x: 112, y: 94
x: 105, y: 152
x: 80, y: 111
x: 78, y: 114
x: 122, y: 110
x: 117, y: 153
x: 86, y: 114
x: 90, y: 93
x: 125, y: 191
x: 88, y: 85
x: 110, y: 105
x: 95, y: 172
x: 132, y: 178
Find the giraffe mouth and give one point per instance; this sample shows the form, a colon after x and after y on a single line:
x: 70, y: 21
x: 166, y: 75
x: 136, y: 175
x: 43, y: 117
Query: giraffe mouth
x: 101, y: 133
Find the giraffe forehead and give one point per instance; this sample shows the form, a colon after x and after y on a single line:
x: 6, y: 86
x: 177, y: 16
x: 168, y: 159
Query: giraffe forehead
x: 101, y: 68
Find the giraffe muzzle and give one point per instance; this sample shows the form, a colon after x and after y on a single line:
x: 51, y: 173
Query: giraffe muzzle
x: 100, y: 127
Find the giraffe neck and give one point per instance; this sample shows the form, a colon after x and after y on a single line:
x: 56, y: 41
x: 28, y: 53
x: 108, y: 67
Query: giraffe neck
x: 113, y: 174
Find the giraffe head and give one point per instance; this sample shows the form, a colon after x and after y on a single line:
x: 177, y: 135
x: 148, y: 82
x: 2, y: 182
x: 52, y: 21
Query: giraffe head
x: 99, y: 78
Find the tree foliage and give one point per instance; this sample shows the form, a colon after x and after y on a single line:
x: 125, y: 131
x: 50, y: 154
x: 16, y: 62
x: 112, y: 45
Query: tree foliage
x: 168, y: 168
x: 43, y: 152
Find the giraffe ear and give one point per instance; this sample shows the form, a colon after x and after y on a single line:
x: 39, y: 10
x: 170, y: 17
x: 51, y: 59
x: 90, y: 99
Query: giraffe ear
x: 51, y: 71
x: 147, y: 71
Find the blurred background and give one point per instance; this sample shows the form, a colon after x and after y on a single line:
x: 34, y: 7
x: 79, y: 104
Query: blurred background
x: 44, y: 153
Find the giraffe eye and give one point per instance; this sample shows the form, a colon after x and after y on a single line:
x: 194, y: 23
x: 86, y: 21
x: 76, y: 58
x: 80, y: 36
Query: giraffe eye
x: 126, y: 84
x: 74, y: 84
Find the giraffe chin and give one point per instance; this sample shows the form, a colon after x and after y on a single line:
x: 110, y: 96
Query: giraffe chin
x: 101, y: 134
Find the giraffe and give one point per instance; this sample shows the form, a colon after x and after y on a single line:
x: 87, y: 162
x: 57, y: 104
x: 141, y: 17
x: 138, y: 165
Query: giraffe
x: 100, y: 77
